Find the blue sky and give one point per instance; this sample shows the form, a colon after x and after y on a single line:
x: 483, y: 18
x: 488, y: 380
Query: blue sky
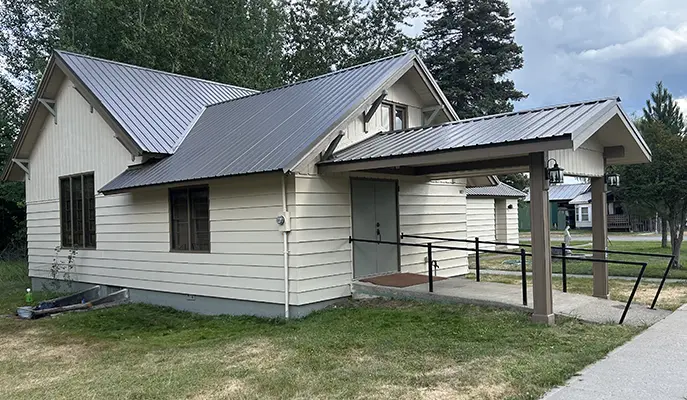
x: 585, y: 49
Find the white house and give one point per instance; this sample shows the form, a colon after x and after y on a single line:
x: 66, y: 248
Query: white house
x: 219, y: 199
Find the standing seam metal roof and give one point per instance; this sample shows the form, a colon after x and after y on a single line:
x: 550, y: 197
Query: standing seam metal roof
x: 565, y: 192
x: 155, y: 108
x: 542, y: 123
x: 266, y: 131
x: 500, y: 190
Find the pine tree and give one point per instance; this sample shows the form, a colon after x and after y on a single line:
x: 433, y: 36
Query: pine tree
x: 662, y: 108
x: 470, y: 49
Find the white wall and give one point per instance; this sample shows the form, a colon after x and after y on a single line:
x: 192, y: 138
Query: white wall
x: 481, y: 220
x: 587, y: 160
x: 321, y: 256
x: 132, y: 229
x: 507, y: 220
x: 578, y: 216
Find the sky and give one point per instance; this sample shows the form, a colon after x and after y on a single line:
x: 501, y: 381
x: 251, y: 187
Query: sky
x: 586, y: 49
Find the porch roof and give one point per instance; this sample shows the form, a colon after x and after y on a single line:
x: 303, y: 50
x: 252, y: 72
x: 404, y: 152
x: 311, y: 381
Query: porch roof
x: 565, y: 126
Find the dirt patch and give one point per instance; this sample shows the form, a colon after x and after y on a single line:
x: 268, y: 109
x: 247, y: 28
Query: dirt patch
x: 226, y: 390
x: 255, y: 354
x: 31, y: 344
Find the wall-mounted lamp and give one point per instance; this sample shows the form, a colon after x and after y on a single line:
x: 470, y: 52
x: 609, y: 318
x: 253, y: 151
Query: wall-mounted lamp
x: 555, y: 174
x: 612, y: 179
x: 510, y: 206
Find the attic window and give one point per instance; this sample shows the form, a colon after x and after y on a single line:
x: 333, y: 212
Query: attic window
x: 394, y: 116
x: 77, y: 211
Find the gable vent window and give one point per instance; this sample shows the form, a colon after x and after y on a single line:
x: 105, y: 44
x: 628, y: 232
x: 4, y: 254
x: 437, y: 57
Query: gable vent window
x: 190, y: 219
x: 77, y: 211
x: 394, y: 116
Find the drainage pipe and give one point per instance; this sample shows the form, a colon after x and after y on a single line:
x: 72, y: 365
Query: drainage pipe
x: 286, y: 248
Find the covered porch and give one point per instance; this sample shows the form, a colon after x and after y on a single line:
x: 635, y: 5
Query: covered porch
x: 582, y: 138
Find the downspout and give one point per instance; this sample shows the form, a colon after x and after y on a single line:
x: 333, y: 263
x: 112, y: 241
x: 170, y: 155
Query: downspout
x: 285, y: 232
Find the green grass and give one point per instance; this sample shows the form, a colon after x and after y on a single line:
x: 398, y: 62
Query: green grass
x: 363, y: 349
x: 655, y: 266
x: 672, y: 296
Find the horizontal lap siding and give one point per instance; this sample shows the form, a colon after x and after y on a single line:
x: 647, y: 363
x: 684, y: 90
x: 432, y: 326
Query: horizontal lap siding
x: 481, y: 220
x: 512, y: 230
x: 132, y: 229
x: 320, y: 255
x: 433, y: 209
x: 133, y: 243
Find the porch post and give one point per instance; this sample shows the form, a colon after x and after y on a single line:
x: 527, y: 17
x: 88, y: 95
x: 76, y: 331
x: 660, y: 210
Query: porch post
x: 541, y: 241
x: 599, y: 237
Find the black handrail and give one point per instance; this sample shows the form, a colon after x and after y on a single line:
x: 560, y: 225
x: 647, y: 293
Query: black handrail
x: 564, y: 259
x: 563, y: 248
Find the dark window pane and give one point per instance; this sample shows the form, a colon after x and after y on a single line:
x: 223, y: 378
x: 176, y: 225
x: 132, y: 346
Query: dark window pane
x: 66, y: 213
x: 180, y: 219
x: 77, y: 212
x: 89, y: 210
x: 200, y: 218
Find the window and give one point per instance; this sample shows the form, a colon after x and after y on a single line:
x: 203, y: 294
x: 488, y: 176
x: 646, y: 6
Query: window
x: 77, y: 211
x: 394, y: 117
x: 190, y: 218
x: 584, y: 214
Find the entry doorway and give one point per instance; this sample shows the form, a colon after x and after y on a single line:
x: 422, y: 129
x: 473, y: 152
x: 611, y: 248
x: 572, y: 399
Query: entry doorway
x: 374, y: 206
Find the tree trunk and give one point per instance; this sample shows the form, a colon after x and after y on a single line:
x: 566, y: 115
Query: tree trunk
x: 677, y: 233
x: 664, y: 232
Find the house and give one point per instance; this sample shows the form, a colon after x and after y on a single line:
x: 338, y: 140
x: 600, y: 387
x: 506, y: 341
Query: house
x: 618, y: 218
x: 219, y: 199
x: 562, y: 212
x: 492, y: 213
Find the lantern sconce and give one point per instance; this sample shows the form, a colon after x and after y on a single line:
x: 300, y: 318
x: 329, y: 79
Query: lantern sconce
x: 612, y: 179
x: 554, y: 175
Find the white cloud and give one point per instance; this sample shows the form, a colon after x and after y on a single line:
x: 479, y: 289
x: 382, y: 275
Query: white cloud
x: 658, y: 42
x: 682, y: 103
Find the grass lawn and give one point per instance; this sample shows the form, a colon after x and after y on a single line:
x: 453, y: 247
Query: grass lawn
x: 672, y: 296
x: 373, y: 349
x: 655, y: 268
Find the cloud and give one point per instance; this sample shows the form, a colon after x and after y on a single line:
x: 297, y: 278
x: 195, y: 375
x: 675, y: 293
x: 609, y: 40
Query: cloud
x: 682, y: 103
x: 658, y: 42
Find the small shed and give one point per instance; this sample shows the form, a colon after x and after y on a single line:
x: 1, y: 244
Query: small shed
x: 492, y: 213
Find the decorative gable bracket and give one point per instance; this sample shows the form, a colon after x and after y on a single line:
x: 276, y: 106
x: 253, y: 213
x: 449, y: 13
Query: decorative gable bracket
x: 23, y: 164
x: 50, y: 106
x: 373, y: 109
x: 435, y: 111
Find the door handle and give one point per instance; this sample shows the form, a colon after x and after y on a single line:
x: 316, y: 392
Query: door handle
x: 379, y: 233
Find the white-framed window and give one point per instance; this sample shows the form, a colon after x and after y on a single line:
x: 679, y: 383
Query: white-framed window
x: 584, y: 214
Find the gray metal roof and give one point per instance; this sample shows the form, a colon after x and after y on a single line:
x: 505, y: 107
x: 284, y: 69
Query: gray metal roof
x: 155, y: 108
x: 541, y: 123
x: 565, y: 192
x: 584, y: 198
x: 499, y: 190
x: 267, y: 131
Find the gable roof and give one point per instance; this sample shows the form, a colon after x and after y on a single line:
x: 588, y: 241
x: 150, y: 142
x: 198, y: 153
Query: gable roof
x: 270, y: 130
x: 499, y: 190
x: 556, y: 122
x: 584, y: 198
x: 155, y: 108
x: 565, y: 192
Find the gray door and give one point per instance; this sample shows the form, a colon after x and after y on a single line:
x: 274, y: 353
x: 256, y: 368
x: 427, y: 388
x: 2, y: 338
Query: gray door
x: 375, y: 217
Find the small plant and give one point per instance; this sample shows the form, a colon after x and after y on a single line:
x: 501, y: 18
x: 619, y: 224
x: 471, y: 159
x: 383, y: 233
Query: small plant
x: 62, y: 269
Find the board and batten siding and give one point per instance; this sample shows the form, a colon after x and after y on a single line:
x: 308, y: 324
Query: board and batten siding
x: 132, y: 229
x: 321, y: 266
x: 587, y: 160
x: 481, y: 220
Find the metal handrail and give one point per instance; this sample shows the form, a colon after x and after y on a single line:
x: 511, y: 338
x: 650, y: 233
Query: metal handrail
x: 564, y: 259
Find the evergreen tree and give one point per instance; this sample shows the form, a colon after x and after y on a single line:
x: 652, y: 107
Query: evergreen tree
x: 662, y: 108
x: 470, y: 49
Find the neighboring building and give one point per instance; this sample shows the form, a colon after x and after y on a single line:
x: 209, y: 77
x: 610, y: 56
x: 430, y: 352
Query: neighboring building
x: 220, y: 199
x: 561, y: 211
x: 493, y: 213
x: 617, y: 218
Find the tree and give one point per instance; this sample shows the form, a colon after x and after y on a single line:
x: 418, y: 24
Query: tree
x: 517, y: 180
x: 661, y: 108
x: 470, y: 49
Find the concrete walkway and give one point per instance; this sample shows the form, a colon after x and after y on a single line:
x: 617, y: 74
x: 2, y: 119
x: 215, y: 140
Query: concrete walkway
x: 653, y: 366
x: 462, y: 290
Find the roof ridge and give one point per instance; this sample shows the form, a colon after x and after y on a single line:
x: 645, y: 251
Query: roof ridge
x: 398, y: 55
x: 153, y: 70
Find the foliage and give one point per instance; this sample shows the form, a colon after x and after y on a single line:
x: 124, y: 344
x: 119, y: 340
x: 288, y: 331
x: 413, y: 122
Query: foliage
x: 659, y: 187
x: 61, y: 269
x: 470, y: 49
x: 518, y: 180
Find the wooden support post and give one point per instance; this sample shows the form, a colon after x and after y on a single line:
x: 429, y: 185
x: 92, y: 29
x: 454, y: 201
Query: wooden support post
x: 599, y: 237
x: 541, y: 242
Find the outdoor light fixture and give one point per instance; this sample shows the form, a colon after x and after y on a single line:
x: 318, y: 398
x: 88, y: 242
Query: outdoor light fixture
x: 555, y: 174
x: 612, y: 179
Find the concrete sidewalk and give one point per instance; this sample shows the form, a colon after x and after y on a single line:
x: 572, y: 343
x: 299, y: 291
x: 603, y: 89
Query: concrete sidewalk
x: 461, y: 290
x: 653, y: 365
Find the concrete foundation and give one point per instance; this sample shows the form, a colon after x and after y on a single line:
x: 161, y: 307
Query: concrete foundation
x: 198, y: 304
